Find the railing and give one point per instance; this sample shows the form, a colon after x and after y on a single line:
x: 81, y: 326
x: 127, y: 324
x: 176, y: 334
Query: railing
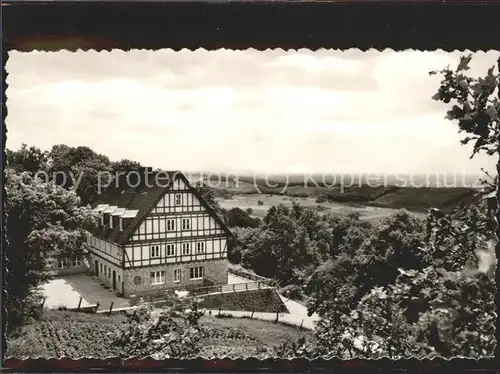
x: 226, y: 288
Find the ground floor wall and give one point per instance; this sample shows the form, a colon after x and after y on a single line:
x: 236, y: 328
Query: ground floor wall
x: 138, y: 281
x: 110, y: 274
x: 63, y: 267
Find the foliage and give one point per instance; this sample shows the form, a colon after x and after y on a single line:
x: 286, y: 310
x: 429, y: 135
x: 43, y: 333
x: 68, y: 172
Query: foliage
x: 414, y: 289
x: 42, y: 220
x: 208, y: 195
x: 239, y: 218
x: 161, y: 336
x: 476, y: 104
x: 30, y: 159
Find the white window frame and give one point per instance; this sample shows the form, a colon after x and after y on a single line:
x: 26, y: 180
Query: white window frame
x: 76, y: 262
x: 61, y: 263
x: 121, y: 224
x: 178, y: 199
x: 186, y: 249
x: 158, y: 278
x: 186, y: 224
x: 110, y: 221
x: 155, y: 251
x: 200, y: 247
x: 170, y: 250
x: 177, y: 275
x: 170, y: 224
x: 196, y: 273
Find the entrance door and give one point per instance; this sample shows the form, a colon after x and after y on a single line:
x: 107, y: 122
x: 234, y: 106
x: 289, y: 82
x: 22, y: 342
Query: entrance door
x: 96, y: 267
x: 114, y: 280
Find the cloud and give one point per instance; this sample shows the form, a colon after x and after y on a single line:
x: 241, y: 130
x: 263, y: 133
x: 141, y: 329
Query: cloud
x: 242, y: 110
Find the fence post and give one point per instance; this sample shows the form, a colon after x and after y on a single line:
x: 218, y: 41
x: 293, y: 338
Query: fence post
x: 277, y: 316
x: 258, y: 285
x: 80, y: 303
x: 233, y: 288
x: 253, y: 311
x: 220, y: 287
x: 246, y: 286
x: 43, y: 302
x: 111, y: 307
x: 301, y: 324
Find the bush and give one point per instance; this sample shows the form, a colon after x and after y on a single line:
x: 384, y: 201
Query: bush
x: 293, y: 291
x: 260, y: 202
x: 321, y: 199
x: 250, y: 211
x: 235, y: 256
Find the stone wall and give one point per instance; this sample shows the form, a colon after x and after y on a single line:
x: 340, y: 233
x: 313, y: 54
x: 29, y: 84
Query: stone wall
x: 215, y: 272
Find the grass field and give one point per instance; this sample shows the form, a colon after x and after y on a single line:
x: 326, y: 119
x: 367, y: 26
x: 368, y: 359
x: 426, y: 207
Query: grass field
x: 77, y: 335
x: 265, y: 300
x: 366, y: 212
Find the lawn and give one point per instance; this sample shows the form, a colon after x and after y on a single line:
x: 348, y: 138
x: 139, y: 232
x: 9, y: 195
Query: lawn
x: 265, y: 300
x: 76, y: 335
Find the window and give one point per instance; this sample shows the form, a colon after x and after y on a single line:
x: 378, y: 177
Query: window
x: 137, y: 280
x: 200, y: 247
x: 155, y: 251
x: 118, y: 279
x: 170, y: 249
x: 76, y: 262
x: 186, y: 223
x: 157, y: 277
x: 177, y: 275
x: 109, y: 272
x: 170, y: 225
x: 178, y: 199
x: 186, y: 248
x: 100, y: 266
x: 121, y: 224
x: 105, y: 270
x: 110, y: 221
x: 61, y: 263
x: 197, y: 272
x: 102, y: 218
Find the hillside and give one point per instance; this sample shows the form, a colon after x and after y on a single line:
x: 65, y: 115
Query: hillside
x: 77, y: 335
x: 411, y: 198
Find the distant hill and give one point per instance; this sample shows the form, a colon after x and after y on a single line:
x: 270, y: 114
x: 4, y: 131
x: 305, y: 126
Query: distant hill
x: 417, y: 192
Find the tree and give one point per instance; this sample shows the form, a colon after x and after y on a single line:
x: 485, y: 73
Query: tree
x: 476, y: 105
x: 428, y: 290
x: 238, y: 217
x: 125, y: 165
x: 208, y: 195
x: 80, y: 168
x: 42, y: 220
x: 172, y: 333
x: 30, y: 159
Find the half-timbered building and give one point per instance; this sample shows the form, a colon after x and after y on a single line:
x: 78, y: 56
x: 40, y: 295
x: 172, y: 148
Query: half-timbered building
x: 157, y: 235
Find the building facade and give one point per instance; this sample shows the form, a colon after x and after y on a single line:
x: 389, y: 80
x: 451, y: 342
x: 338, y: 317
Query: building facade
x: 157, y: 236
x: 67, y: 266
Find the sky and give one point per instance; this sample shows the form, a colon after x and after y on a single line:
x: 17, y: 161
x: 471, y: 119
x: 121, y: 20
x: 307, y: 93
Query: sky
x: 270, y: 111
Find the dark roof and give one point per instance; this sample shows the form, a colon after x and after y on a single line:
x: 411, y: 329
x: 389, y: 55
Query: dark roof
x: 143, y: 198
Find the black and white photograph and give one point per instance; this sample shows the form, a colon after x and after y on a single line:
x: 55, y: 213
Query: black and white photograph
x: 251, y: 204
